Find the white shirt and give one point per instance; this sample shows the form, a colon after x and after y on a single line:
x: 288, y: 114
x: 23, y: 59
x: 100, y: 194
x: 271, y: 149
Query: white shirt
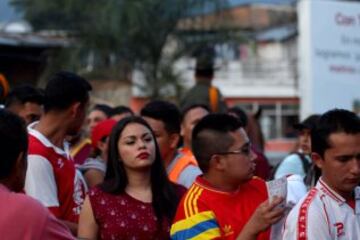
x: 323, y: 214
x: 292, y: 164
x: 296, y: 189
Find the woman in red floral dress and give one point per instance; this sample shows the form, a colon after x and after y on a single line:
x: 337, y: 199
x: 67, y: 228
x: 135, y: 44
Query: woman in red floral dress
x: 136, y: 201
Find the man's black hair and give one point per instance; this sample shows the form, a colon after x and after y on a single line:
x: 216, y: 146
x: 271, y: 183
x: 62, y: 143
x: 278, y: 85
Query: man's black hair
x: 163, y: 111
x: 120, y: 110
x: 64, y: 89
x: 208, y: 73
x: 211, y: 136
x: 333, y: 121
x: 186, y: 109
x: 106, y: 109
x: 308, y: 123
x: 205, y: 57
x: 23, y: 94
x: 240, y: 114
x: 13, y: 141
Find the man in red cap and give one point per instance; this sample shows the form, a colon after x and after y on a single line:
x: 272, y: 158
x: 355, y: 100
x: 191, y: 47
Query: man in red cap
x: 94, y: 168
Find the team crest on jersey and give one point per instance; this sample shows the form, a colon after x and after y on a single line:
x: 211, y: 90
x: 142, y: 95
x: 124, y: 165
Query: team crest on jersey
x: 339, y: 228
x: 60, y: 163
x: 228, y: 230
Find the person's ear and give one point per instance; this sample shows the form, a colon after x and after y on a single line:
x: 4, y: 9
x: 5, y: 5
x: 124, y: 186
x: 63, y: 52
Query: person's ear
x: 19, y: 173
x: 182, y: 130
x: 217, y: 162
x: 74, y: 109
x: 101, y: 145
x: 21, y: 162
x: 317, y: 160
x: 174, y: 140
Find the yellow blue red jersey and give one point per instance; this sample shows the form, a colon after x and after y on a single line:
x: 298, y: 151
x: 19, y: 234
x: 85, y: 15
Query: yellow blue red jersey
x: 207, y: 213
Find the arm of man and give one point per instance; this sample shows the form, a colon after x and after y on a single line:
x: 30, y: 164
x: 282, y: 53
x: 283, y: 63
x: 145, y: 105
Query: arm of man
x: 264, y: 216
x: 40, y: 183
x: 55, y: 229
x: 72, y: 226
x: 201, y: 226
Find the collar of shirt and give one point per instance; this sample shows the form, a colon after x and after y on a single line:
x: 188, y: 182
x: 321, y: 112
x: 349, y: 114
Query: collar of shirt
x: 66, y: 148
x: 330, y: 192
x: 321, y: 185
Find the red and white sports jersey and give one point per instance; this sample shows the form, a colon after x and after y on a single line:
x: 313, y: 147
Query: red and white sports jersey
x: 51, y: 178
x: 323, y: 214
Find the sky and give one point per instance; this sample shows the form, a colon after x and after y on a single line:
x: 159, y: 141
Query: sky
x: 7, y: 13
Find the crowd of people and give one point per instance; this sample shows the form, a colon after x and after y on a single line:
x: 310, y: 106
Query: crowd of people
x: 70, y: 170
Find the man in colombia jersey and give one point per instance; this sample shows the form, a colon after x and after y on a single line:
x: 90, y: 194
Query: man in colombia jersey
x: 222, y: 201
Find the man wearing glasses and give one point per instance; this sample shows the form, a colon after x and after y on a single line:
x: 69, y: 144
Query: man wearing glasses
x: 226, y: 202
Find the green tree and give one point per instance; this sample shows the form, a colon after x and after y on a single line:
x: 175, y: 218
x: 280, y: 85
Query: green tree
x: 117, y: 36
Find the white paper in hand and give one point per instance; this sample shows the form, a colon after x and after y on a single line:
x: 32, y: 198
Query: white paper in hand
x: 277, y: 187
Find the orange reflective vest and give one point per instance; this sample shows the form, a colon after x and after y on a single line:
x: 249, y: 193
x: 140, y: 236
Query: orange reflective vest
x: 184, y: 159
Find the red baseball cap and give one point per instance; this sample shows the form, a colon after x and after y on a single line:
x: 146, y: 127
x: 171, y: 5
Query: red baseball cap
x: 101, y: 130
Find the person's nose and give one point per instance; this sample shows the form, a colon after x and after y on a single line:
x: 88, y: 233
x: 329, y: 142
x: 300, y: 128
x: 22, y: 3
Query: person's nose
x: 142, y: 144
x: 253, y: 155
x: 306, y: 137
x: 355, y: 166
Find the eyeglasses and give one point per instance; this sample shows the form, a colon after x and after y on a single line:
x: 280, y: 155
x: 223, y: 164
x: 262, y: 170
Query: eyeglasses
x: 245, y: 150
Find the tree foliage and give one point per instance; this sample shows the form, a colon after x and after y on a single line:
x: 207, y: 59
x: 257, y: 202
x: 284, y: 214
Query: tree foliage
x: 117, y: 36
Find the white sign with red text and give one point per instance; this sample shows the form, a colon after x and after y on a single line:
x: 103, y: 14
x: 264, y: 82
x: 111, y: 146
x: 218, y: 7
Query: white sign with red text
x: 329, y: 55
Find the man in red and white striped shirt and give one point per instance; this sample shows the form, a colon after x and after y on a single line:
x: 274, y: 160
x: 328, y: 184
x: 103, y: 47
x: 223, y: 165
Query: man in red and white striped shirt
x: 331, y: 210
x: 51, y: 176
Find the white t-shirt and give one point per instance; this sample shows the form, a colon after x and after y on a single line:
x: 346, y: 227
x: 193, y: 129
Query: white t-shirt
x: 292, y: 164
x: 296, y: 189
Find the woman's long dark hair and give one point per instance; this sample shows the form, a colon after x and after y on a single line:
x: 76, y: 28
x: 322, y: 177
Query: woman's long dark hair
x: 164, y: 196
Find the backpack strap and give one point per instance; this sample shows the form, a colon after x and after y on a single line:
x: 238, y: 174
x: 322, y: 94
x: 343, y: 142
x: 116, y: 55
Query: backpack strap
x: 304, y: 161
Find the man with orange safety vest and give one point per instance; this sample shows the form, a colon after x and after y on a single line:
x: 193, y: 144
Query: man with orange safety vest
x: 184, y: 168
x: 165, y: 120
